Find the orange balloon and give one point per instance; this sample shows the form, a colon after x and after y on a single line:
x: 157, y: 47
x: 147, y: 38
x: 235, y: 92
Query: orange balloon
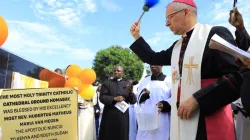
x: 87, y: 91
x: 87, y: 76
x: 80, y: 88
x: 73, y: 82
x: 3, y: 31
x: 73, y: 71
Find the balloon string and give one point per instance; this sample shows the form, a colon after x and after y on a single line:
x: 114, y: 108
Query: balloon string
x: 141, y: 17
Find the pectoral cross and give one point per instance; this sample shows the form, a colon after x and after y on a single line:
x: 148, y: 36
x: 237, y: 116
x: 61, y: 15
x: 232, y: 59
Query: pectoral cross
x: 190, y: 67
x: 175, y: 76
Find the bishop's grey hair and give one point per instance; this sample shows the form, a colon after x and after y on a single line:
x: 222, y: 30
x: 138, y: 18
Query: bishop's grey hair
x: 179, y: 6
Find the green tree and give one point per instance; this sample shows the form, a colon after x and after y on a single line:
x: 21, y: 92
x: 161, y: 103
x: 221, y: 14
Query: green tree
x: 106, y: 59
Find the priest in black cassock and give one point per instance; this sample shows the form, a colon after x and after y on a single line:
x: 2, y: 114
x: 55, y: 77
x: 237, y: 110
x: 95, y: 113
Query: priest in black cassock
x: 243, y: 41
x: 114, y: 123
x: 194, y: 65
x: 242, y: 121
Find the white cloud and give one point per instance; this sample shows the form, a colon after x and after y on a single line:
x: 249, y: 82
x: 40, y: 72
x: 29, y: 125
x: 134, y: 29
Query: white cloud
x: 221, y: 9
x: 162, y: 39
x: 68, y: 14
x: 159, y: 40
x: 111, y: 6
x: 50, y: 2
x: 156, y: 39
x: 126, y: 45
x: 27, y: 37
x: 88, y: 6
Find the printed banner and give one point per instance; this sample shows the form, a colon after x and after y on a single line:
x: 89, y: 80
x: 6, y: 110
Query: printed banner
x: 41, y: 114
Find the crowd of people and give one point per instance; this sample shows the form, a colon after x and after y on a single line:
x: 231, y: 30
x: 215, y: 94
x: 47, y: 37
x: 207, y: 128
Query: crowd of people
x: 196, y: 101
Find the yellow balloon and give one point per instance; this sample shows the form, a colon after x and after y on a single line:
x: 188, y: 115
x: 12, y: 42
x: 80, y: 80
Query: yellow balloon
x: 87, y: 91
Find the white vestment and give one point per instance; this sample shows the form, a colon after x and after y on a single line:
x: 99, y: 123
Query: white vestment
x: 86, y: 121
x: 132, y: 116
x: 242, y: 125
x: 132, y: 123
x: 159, y: 91
x: 190, y: 81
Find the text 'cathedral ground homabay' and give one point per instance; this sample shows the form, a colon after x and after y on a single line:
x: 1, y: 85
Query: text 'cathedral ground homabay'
x: 16, y: 103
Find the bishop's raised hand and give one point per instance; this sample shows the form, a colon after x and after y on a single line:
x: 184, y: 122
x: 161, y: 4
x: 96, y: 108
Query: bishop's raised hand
x: 135, y: 30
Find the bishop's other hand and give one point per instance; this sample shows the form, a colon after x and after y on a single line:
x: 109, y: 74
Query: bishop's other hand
x: 187, y: 107
x: 236, y: 19
x: 135, y: 30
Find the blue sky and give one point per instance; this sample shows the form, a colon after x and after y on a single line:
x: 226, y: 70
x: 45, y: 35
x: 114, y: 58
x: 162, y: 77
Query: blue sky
x: 56, y: 33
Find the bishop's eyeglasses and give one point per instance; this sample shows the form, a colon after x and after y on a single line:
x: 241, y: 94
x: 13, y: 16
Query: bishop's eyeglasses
x: 170, y: 16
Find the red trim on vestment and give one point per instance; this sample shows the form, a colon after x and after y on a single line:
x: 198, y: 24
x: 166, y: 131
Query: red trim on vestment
x: 228, y: 81
x: 219, y: 126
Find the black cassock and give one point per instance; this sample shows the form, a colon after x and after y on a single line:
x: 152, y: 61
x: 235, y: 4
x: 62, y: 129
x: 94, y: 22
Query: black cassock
x: 235, y: 84
x: 238, y: 82
x: 114, y: 123
x: 215, y: 64
x: 243, y: 41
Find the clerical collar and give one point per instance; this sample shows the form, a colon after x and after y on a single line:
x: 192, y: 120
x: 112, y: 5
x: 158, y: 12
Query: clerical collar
x: 189, y: 32
x: 160, y: 77
x: 119, y: 79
